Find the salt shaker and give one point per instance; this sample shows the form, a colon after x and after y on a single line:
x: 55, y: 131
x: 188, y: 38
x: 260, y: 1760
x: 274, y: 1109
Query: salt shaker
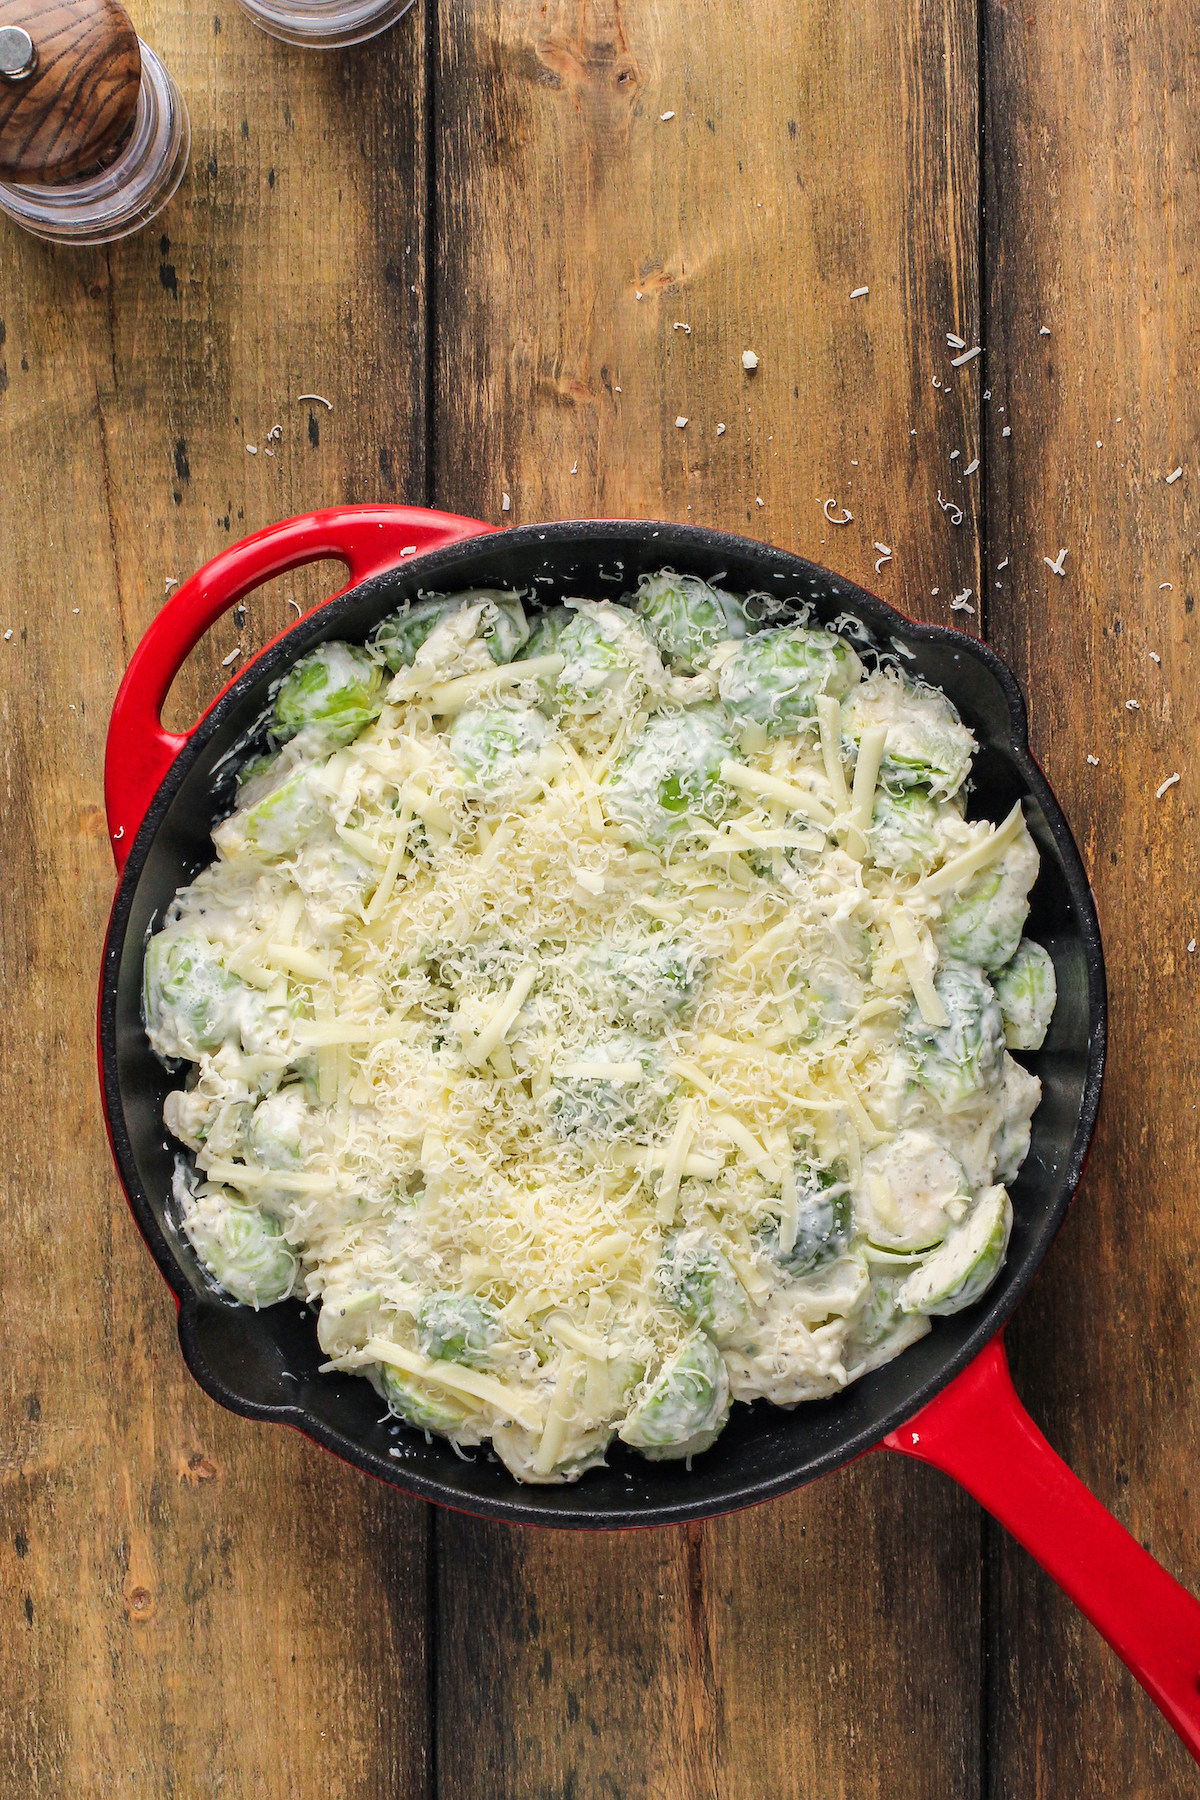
x: 94, y: 134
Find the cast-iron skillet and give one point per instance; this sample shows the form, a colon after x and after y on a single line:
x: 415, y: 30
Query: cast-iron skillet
x: 947, y: 1400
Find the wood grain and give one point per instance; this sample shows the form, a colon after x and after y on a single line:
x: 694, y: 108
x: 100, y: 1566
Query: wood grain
x: 82, y: 95
x: 830, y: 1643
x: 1091, y: 123
x: 192, y: 1604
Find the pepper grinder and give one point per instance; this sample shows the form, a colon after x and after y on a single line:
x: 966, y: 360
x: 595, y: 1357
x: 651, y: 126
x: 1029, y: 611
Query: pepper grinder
x: 94, y: 134
x: 324, y: 24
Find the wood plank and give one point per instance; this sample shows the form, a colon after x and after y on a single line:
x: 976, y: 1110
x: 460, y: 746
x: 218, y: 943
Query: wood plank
x: 829, y: 1643
x: 810, y: 153
x: 1091, y: 118
x: 193, y: 1603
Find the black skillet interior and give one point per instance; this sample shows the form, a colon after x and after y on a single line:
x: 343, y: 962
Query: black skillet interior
x: 265, y: 1364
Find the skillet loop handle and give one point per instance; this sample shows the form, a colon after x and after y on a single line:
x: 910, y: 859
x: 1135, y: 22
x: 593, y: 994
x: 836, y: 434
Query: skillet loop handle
x: 367, y: 539
x: 977, y: 1432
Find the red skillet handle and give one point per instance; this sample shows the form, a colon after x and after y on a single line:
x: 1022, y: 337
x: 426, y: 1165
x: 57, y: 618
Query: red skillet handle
x: 978, y: 1432
x: 368, y: 539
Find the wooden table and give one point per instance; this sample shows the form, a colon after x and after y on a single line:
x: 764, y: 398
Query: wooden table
x: 513, y: 244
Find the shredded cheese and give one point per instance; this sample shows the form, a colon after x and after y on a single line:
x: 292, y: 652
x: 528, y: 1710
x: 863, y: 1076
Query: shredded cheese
x: 498, y: 1059
x: 960, y: 868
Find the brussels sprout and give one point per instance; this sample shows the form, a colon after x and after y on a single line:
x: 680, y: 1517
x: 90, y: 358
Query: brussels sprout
x: 1019, y: 1095
x: 591, y: 1107
x: 1027, y: 992
x: 258, y: 775
x: 910, y: 1191
x: 546, y: 632
x: 830, y: 992
x: 459, y: 1328
x: 982, y: 922
x: 699, y: 1282
x: 824, y: 1223
x: 880, y: 1313
x: 243, y: 1249
x: 686, y: 618
x: 904, y: 831
x: 775, y: 678
x: 491, y: 744
x: 673, y: 770
x: 401, y: 634
x: 189, y: 1000
x: 966, y: 1264
x: 927, y: 744
x: 640, y: 979
x: 605, y: 650
x: 336, y: 688
x: 959, y: 1059
x: 518, y: 1450
x: 419, y: 1403
x: 274, y: 824
x: 282, y: 1130
x: 687, y: 1406
x: 502, y: 625
x: 882, y: 1329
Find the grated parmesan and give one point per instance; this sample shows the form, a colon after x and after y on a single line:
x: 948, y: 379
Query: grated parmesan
x: 496, y: 1047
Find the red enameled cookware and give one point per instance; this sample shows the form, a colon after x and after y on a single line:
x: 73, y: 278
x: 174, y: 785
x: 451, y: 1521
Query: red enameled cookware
x: 948, y: 1400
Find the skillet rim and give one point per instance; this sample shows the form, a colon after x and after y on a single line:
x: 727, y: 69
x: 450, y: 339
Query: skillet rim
x: 844, y: 1444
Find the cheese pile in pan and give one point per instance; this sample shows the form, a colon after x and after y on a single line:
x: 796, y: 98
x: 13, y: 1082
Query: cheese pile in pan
x: 604, y: 1015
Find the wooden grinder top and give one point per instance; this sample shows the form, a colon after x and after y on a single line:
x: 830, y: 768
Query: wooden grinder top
x: 59, y: 118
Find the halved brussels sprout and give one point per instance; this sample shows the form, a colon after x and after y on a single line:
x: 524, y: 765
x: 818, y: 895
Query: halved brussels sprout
x: 1027, y: 991
x: 243, y: 1249
x: 258, y: 775
x: 606, y: 653
x: 827, y: 994
x: 458, y: 1328
x: 282, y: 1131
x: 335, y: 688
x: 189, y: 999
x: 982, y: 922
x: 927, y: 743
x: 518, y: 1450
x: 686, y: 1408
x: 775, y: 678
x: 1018, y: 1098
x: 959, y: 1059
x: 966, y: 1264
x: 492, y: 744
x: 825, y: 1222
x: 883, y: 1329
x: 671, y: 772
x: 910, y: 1191
x: 880, y: 1312
x: 699, y: 1282
x: 904, y: 836
x: 348, y: 1317
x: 643, y: 978
x: 274, y: 823
x: 401, y: 634
x: 686, y: 618
x: 546, y: 632
x: 502, y: 625
x: 593, y: 1107
x: 419, y: 1403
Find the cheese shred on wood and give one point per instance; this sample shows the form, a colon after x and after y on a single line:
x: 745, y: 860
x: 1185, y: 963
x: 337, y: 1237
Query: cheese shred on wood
x: 603, y: 1014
